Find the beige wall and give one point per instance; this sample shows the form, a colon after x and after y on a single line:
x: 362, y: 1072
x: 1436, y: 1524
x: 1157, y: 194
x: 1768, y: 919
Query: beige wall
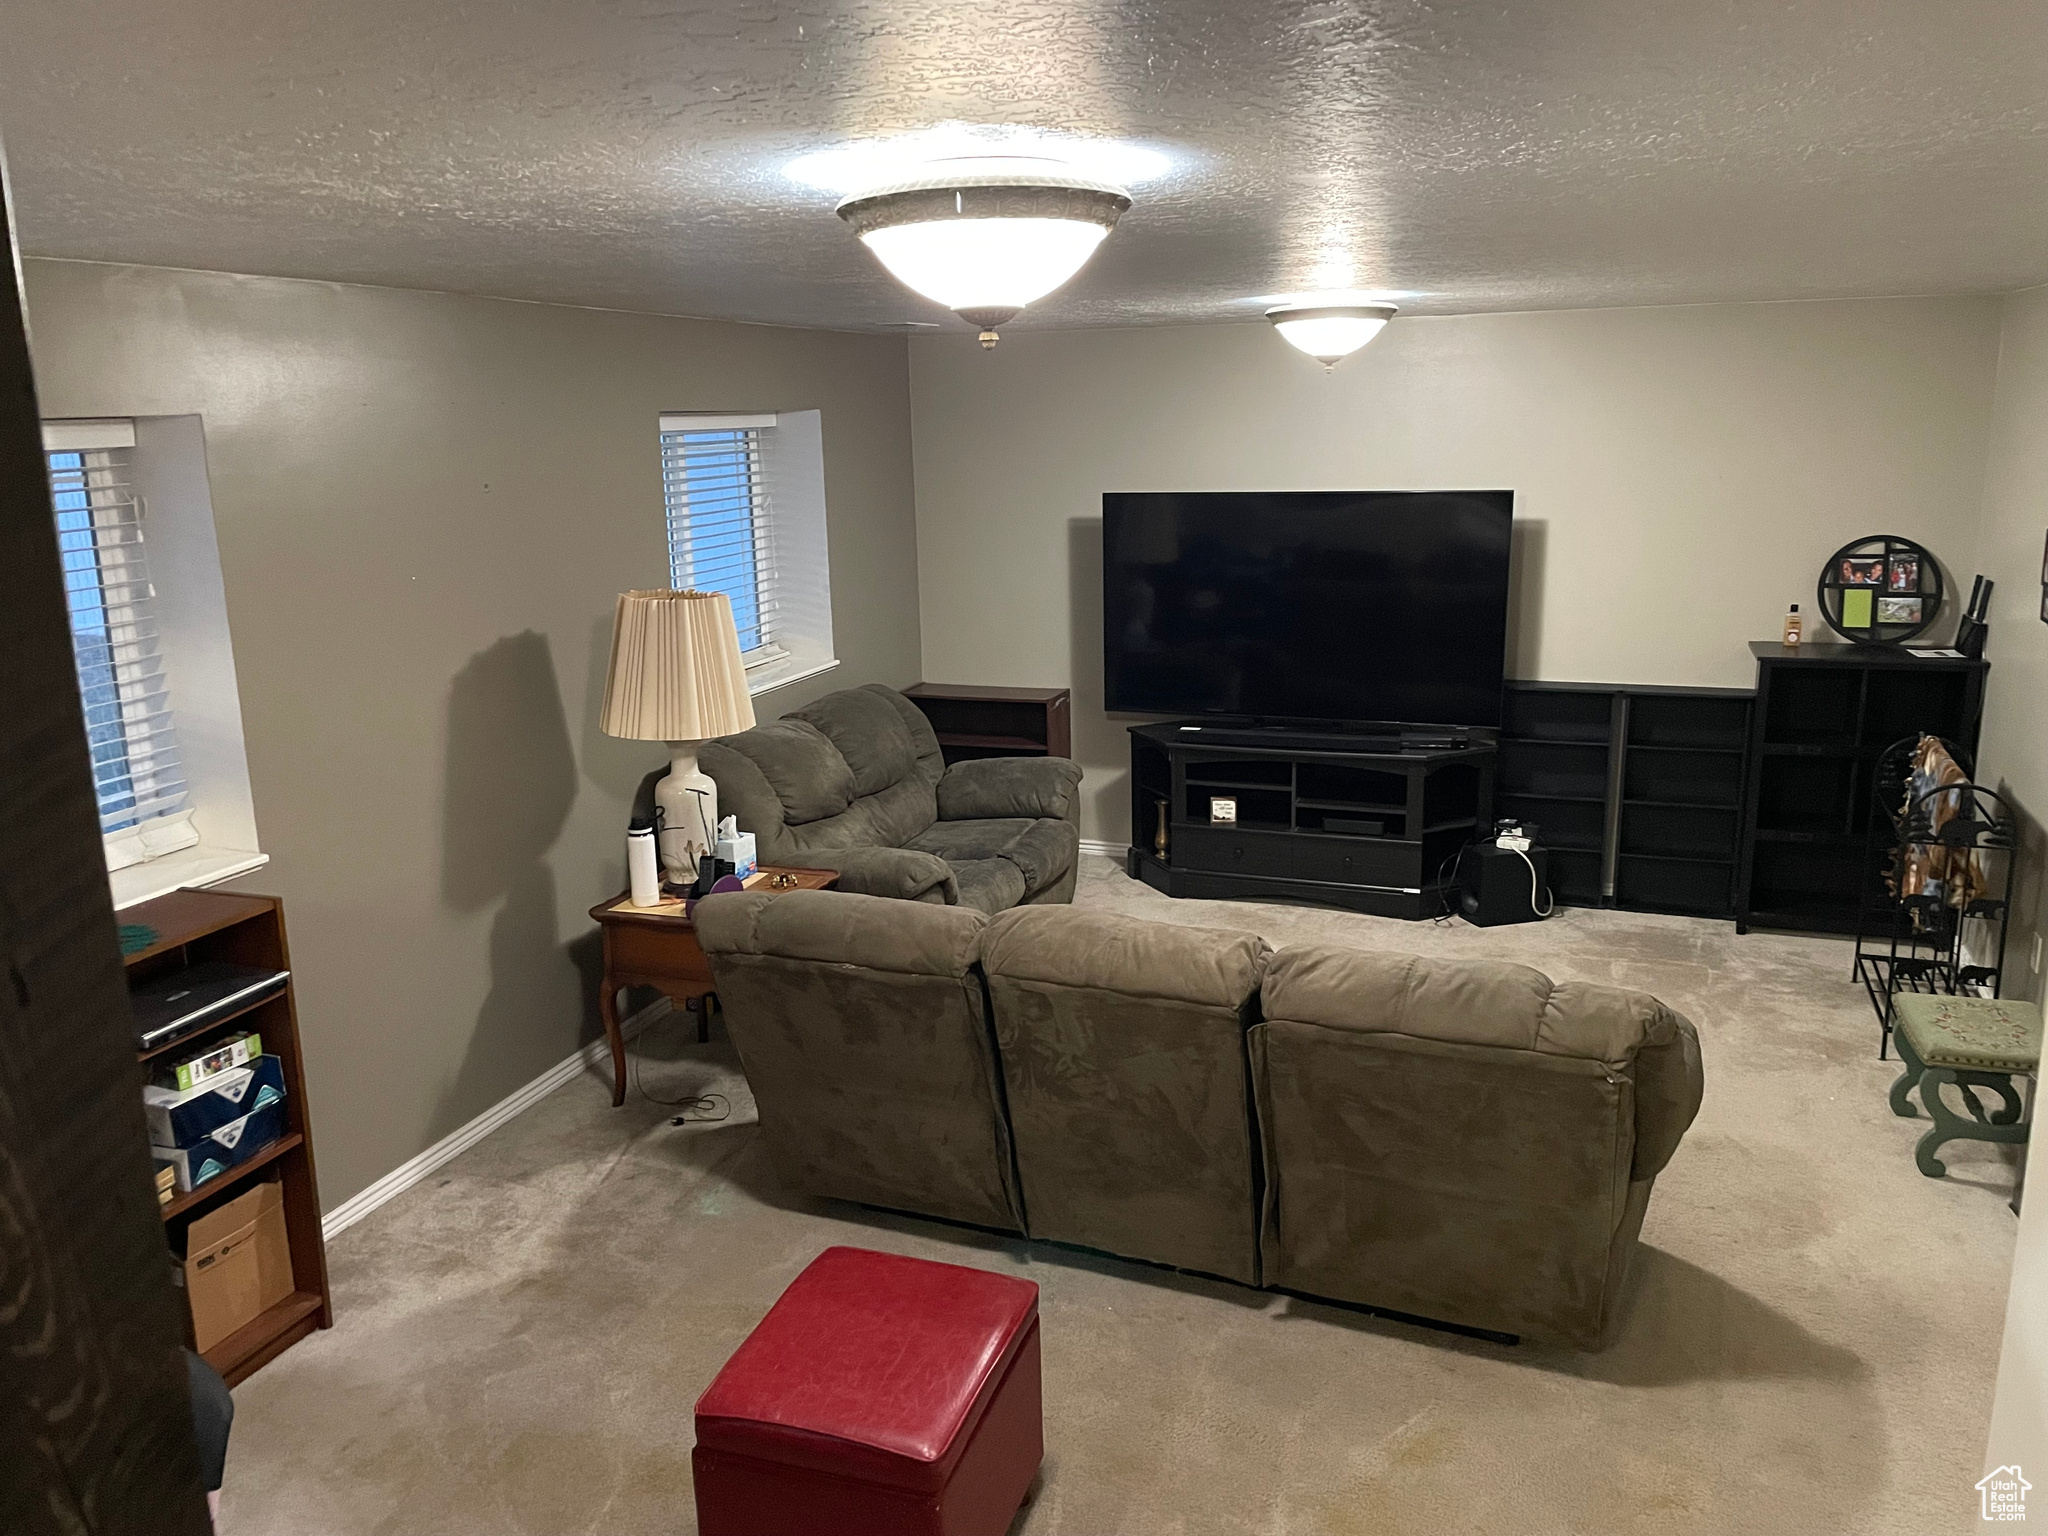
x: 425, y: 506
x: 1681, y: 473
x: 2014, y: 756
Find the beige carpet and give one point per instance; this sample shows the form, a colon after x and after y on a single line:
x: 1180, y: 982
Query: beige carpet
x: 1811, y: 1347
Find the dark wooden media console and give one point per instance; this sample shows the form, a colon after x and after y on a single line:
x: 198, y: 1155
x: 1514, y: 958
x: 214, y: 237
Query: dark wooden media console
x: 1374, y: 828
x: 973, y: 720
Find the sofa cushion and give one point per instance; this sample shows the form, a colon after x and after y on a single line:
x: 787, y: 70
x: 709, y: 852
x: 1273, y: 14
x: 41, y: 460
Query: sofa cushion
x: 931, y: 762
x: 869, y: 734
x: 1009, y: 786
x: 891, y: 819
x: 745, y: 794
x: 1045, y: 850
x: 968, y: 840
x: 902, y: 873
x: 1042, y: 849
x: 808, y: 774
x: 1670, y: 1083
x: 1471, y: 1002
x: 836, y: 928
x: 1460, y: 1139
x: 862, y: 1026
x: 1123, y: 1053
x: 1076, y: 947
x: 988, y: 885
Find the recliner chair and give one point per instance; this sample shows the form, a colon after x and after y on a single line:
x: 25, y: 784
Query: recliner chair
x: 855, y: 783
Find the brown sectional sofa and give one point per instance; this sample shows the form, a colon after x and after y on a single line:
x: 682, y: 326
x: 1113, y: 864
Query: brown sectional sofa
x: 1470, y: 1143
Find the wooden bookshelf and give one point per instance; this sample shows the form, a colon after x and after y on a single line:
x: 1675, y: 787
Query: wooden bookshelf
x: 195, y: 926
x: 973, y: 720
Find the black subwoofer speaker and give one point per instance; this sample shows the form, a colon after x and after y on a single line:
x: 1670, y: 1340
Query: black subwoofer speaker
x: 1495, y: 886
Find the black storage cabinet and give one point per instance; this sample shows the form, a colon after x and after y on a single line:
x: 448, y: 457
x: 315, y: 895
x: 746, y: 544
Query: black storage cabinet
x: 1824, y: 714
x: 1636, y: 790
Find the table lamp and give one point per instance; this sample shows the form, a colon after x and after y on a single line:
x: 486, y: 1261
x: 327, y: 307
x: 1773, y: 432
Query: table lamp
x: 676, y: 676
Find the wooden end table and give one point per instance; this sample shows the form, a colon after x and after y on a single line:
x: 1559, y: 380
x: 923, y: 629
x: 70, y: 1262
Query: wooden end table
x: 657, y: 947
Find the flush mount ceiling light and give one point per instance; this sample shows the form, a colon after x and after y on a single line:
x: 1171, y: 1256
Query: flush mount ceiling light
x: 986, y: 235
x: 1329, y: 333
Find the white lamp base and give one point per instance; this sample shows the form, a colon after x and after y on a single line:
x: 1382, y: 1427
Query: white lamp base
x: 688, y: 798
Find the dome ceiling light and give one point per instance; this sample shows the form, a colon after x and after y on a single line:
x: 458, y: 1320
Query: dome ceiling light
x: 1329, y: 333
x: 986, y: 235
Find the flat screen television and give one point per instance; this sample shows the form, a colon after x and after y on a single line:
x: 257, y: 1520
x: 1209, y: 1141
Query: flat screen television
x: 1312, y: 606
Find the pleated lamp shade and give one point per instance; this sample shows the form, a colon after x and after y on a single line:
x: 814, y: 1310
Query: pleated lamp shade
x: 676, y: 673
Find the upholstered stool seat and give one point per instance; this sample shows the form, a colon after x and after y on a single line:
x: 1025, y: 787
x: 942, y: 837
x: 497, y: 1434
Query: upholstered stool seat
x: 880, y: 1396
x: 1970, y: 1042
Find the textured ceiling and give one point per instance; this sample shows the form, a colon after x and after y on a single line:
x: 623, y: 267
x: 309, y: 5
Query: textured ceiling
x: 1551, y: 153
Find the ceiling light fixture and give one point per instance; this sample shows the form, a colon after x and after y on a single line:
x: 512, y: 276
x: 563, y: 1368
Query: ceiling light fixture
x: 986, y: 235
x: 1329, y: 333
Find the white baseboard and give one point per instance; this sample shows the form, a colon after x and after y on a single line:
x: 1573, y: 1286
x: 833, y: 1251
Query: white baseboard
x: 1107, y: 850
x: 453, y: 1145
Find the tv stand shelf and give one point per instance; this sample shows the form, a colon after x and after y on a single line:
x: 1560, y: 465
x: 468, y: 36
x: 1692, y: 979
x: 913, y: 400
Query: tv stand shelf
x: 1319, y: 817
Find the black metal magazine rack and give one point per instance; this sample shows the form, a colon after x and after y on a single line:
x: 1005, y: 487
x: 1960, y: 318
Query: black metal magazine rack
x: 1938, y: 924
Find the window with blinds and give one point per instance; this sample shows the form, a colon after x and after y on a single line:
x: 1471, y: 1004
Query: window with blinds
x: 717, y: 528
x: 745, y: 502
x: 114, y: 637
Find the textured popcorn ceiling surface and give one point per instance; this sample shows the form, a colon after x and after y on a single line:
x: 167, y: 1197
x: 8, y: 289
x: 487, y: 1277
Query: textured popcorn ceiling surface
x: 1548, y: 153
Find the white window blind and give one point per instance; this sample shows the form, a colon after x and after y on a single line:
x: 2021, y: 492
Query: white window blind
x: 745, y: 502
x: 719, y: 539
x: 114, y: 635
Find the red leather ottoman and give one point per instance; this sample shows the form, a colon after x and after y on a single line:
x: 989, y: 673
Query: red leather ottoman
x: 881, y: 1396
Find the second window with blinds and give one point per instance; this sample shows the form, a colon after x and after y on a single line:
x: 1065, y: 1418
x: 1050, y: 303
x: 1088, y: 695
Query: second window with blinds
x: 745, y: 502
x: 156, y: 673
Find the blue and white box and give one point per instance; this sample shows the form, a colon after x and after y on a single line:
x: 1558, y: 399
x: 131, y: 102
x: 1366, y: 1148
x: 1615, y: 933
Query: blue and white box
x: 180, y: 1116
x: 228, y: 1146
x: 203, y: 1132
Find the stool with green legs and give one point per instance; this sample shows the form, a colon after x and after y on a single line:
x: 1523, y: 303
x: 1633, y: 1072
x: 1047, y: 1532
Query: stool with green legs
x: 1972, y: 1043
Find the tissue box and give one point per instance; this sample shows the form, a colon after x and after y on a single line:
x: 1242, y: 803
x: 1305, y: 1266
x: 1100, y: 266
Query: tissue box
x: 738, y: 851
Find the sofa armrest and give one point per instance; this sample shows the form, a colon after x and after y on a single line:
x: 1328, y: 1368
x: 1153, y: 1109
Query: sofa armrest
x: 992, y: 787
x: 902, y: 873
x: 1669, y: 1084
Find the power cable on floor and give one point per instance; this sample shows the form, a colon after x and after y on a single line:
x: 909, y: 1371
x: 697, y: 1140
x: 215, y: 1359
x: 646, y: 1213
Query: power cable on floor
x: 697, y: 1108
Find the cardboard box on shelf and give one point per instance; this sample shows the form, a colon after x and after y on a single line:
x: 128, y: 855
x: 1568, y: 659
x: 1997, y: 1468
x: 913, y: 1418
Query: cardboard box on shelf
x: 238, y: 1263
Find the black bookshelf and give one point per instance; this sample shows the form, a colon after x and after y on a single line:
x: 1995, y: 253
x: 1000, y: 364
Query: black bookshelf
x: 1824, y: 714
x: 1637, y: 791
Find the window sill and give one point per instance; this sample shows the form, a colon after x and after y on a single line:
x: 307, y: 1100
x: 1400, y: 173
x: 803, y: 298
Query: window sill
x: 199, y: 865
x: 793, y: 672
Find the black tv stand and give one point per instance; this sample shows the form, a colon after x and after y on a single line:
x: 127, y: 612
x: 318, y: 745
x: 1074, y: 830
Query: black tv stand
x: 1334, y: 738
x: 1372, y: 822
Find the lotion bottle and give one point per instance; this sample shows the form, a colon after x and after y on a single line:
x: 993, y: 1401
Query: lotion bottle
x: 1793, y: 626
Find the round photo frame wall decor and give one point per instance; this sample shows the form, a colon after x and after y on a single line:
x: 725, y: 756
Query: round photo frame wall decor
x: 1880, y: 590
